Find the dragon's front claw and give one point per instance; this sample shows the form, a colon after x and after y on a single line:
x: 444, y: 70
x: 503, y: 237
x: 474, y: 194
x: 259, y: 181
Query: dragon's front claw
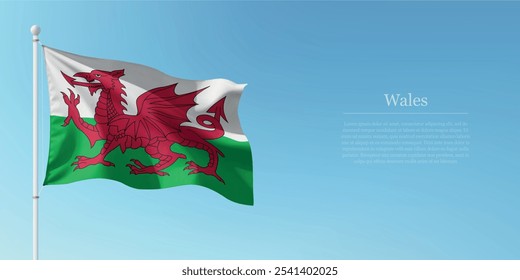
x: 193, y: 167
x: 82, y: 162
x: 140, y: 168
x: 131, y: 168
x: 138, y: 163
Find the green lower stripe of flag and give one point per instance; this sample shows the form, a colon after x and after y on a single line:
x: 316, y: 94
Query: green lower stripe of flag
x: 68, y: 142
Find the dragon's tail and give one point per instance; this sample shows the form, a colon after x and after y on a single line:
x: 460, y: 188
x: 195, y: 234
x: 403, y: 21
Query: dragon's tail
x: 214, y: 127
x: 203, y: 145
x: 212, y: 122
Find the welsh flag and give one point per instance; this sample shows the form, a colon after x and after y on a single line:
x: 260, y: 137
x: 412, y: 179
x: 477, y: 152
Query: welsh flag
x: 136, y: 125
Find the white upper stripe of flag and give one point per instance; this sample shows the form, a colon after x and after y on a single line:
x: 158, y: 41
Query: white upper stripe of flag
x: 137, y: 80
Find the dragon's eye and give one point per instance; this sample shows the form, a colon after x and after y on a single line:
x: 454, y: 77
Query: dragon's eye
x: 97, y: 75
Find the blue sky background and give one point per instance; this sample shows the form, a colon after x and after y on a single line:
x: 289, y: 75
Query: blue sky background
x: 306, y: 63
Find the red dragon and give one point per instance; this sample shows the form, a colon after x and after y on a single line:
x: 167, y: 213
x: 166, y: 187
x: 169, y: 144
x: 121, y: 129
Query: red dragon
x: 156, y: 126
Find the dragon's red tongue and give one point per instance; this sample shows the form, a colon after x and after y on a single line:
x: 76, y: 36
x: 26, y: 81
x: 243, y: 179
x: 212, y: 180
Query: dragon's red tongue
x: 92, y: 87
x: 68, y: 78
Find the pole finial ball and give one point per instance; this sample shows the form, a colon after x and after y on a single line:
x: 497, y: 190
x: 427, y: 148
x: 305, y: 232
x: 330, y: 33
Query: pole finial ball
x: 35, y: 30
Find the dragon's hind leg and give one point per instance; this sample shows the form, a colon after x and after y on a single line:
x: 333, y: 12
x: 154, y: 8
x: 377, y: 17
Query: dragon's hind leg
x: 160, y: 150
x: 213, y: 153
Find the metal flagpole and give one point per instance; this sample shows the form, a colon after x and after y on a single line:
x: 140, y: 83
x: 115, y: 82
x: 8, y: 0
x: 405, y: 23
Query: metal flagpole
x: 35, y: 30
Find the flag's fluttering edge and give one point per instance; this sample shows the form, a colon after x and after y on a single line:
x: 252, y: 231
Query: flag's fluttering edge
x: 136, y: 125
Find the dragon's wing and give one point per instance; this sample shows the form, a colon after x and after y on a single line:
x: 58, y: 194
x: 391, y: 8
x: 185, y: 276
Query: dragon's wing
x: 160, y: 111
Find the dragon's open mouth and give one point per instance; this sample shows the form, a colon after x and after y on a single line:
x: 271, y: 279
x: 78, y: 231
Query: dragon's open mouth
x: 92, y: 87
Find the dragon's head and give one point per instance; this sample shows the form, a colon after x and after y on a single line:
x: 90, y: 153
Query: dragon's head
x: 96, y: 79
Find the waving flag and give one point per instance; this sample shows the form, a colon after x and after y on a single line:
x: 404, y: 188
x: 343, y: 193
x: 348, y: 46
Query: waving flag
x: 136, y: 125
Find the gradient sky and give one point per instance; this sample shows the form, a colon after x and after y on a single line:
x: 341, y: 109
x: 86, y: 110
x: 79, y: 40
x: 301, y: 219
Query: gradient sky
x: 306, y: 64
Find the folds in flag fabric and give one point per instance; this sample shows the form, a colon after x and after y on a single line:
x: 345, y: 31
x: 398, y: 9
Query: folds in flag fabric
x: 136, y: 125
